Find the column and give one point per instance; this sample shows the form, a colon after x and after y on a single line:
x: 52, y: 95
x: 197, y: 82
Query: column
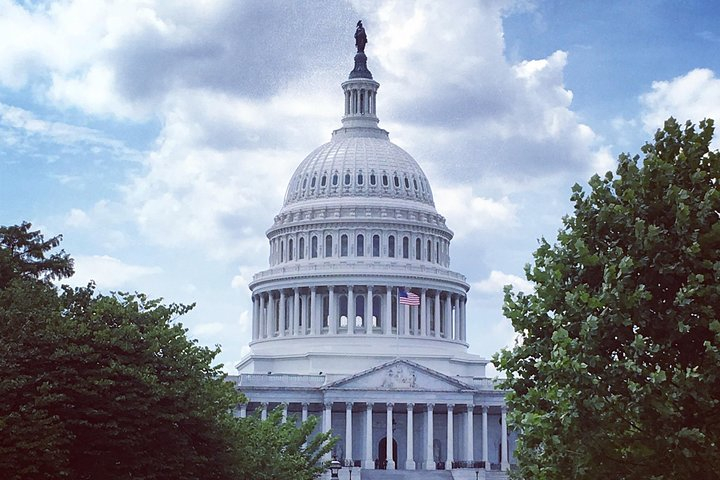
x: 304, y: 416
x: 348, y: 430
x: 437, y: 313
x: 351, y: 310
x: 388, y: 437
x: 423, y: 312
x: 368, y: 310
x: 448, y: 316
x: 458, y: 335
x: 387, y: 330
x: 254, y: 316
x: 429, y: 460
x: 485, y: 437
x: 284, y: 412
x: 450, y: 458
x: 333, y: 321
x: 410, y: 461
x: 469, y: 433
x: 368, y: 460
x: 263, y: 317
x: 504, y: 464
x: 463, y: 325
x: 270, y: 315
x: 304, y: 315
x: 263, y: 411
x: 296, y: 312
x: 327, y: 424
x: 282, y: 315
x: 314, y: 322
x: 243, y: 410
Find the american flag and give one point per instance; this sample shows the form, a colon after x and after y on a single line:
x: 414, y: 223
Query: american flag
x: 408, y: 298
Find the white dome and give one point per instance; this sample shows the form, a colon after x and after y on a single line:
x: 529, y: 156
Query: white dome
x: 359, y: 166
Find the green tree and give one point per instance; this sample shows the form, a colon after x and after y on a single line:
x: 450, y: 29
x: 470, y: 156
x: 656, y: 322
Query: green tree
x: 616, y: 373
x: 99, y: 386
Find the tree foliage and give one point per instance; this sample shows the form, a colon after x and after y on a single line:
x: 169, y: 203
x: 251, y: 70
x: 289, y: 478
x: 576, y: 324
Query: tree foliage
x: 97, y: 386
x: 617, y: 373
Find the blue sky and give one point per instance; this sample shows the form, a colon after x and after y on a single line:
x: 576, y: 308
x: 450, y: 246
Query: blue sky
x: 158, y: 137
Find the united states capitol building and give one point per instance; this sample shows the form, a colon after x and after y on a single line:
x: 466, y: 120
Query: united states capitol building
x: 359, y: 318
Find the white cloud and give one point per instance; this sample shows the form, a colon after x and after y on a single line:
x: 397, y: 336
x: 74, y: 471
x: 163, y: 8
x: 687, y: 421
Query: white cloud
x: 497, y: 280
x: 77, y: 218
x: 467, y: 213
x: 108, y: 272
x: 208, y: 329
x: 693, y: 96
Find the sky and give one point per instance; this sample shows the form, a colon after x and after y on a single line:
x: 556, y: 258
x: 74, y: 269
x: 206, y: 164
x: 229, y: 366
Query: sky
x: 158, y: 137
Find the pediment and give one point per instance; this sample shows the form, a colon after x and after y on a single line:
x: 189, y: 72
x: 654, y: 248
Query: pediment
x: 400, y: 375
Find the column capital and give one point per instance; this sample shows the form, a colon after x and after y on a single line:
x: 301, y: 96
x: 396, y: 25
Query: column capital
x: 430, y: 406
x: 450, y: 406
x: 389, y: 405
x: 470, y: 407
x: 305, y: 404
x: 348, y: 405
x: 331, y: 288
x: 264, y: 405
x: 313, y: 289
x: 328, y: 404
x: 368, y: 405
x: 485, y: 408
x: 410, y: 406
x: 350, y: 288
x: 503, y: 409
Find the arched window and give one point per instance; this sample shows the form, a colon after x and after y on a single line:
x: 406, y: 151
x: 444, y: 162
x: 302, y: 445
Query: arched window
x: 347, y: 179
x: 304, y: 183
x: 373, y: 180
x: 377, y: 311
x: 290, y: 249
x: 359, y: 310
x: 301, y: 248
x: 344, y: 245
x: 334, y: 179
x: 407, y: 183
x: 386, y: 182
x: 376, y: 246
x: 323, y: 181
x: 313, y: 182
x: 429, y: 251
x: 418, y: 249
x: 328, y: 245
x: 343, y: 307
x: 415, y: 184
x: 397, y: 181
x: 360, y: 178
x: 391, y: 246
x: 326, y: 311
x: 406, y: 247
x: 314, y: 247
x: 360, y: 246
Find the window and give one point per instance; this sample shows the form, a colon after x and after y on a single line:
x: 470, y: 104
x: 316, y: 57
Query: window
x: 429, y: 251
x: 359, y: 310
x: 282, y: 251
x: 290, y: 249
x: 323, y: 181
x: 437, y: 252
x: 335, y: 180
x: 326, y: 311
x: 376, y: 246
x: 312, y: 182
x: 407, y: 183
x: 418, y: 249
x: 386, y: 182
x: 328, y: 246
x: 360, y: 179
x: 344, y: 246
x: 304, y: 183
x: 373, y: 180
x: 415, y: 184
x: 314, y: 247
x: 347, y: 179
x: 397, y: 181
x: 343, y: 304
x: 301, y: 248
x: 376, y: 310
x: 360, y: 246
x: 391, y: 246
x: 406, y: 247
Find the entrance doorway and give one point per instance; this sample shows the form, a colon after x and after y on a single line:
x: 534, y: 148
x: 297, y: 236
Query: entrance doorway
x: 382, y: 453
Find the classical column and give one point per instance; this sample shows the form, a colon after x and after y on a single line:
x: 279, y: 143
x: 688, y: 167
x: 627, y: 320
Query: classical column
x: 504, y: 463
x: 437, y: 313
x: 448, y: 316
x: 327, y: 423
x: 485, y: 437
x: 388, y: 437
x: 457, y: 329
x: 304, y: 314
x: 469, y: 433
x: 271, y: 315
x: 407, y: 313
x: 282, y: 315
x: 263, y: 411
x: 314, y: 321
x: 368, y: 460
x: 243, y: 410
x: 351, y: 310
x: 332, y: 310
x: 463, y: 324
x: 348, y: 430
x: 450, y: 458
x: 263, y: 317
x: 423, y: 312
x: 429, y: 460
x: 410, y: 461
x: 254, y: 316
x: 387, y: 324
x: 304, y: 416
x: 296, y: 312
x: 284, y: 412
x: 369, y: 310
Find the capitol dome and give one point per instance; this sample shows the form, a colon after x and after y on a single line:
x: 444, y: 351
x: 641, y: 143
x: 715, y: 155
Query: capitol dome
x: 359, y: 264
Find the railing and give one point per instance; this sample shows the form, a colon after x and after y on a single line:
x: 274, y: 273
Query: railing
x: 279, y: 379
x: 468, y: 464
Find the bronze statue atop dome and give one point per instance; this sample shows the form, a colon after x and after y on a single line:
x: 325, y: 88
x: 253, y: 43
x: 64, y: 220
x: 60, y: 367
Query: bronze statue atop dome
x: 360, y: 37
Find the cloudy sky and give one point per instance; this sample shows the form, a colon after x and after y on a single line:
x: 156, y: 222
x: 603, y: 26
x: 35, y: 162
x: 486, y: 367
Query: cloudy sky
x: 158, y: 137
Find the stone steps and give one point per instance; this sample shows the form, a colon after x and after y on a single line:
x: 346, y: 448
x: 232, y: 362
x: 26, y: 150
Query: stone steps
x: 405, y: 475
